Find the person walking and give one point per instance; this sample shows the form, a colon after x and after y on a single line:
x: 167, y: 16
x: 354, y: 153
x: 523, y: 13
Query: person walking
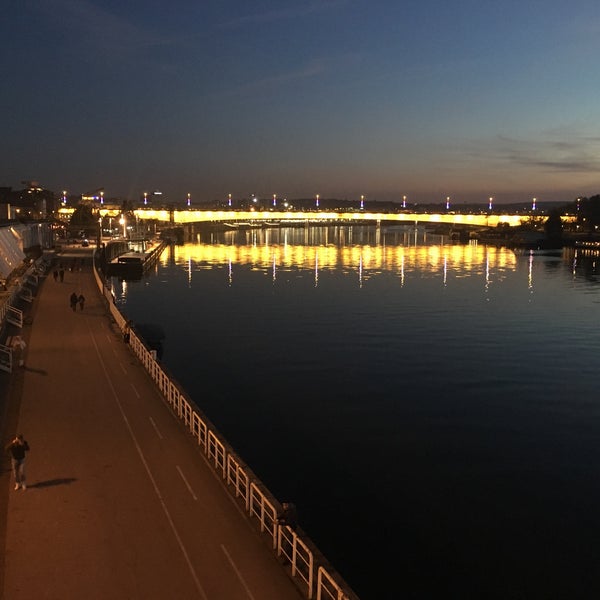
x: 18, y: 347
x: 61, y: 274
x: 81, y: 301
x: 17, y: 449
x: 74, y: 300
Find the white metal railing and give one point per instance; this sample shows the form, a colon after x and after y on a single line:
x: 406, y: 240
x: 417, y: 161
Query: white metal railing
x: 327, y: 588
x: 8, y: 312
x: 307, y: 566
x: 6, y: 358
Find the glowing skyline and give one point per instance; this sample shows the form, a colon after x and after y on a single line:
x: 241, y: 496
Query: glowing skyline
x: 340, y: 98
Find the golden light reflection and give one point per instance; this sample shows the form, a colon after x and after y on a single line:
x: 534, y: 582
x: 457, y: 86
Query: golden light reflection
x: 366, y: 260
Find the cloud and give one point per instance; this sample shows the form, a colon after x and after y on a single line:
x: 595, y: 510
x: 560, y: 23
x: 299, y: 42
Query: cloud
x: 99, y: 30
x: 283, y: 13
x: 578, y: 154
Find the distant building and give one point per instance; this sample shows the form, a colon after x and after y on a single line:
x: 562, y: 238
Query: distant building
x: 31, y: 203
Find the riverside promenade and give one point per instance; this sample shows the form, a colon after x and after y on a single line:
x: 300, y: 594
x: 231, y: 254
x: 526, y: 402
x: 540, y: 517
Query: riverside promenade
x: 119, y: 502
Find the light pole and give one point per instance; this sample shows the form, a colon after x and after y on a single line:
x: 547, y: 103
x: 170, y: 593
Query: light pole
x: 189, y: 200
x: 447, y: 202
x: 274, y: 200
x: 533, y: 204
x: 403, y: 201
x: 490, y: 204
x: 317, y: 202
x: 229, y: 200
x: 123, y: 222
x: 362, y: 202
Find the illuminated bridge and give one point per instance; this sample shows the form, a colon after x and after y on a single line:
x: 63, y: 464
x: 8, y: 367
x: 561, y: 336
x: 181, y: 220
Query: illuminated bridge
x: 185, y: 216
x: 272, y: 216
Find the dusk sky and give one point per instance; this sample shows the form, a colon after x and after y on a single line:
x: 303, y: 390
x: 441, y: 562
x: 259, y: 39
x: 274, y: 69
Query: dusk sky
x: 428, y: 99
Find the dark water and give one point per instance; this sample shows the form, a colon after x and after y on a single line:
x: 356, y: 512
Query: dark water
x: 432, y: 410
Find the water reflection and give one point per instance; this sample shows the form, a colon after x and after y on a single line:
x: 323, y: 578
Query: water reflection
x: 365, y: 251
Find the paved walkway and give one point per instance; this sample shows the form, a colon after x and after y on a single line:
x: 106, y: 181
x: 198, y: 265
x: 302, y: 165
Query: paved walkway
x: 120, y: 503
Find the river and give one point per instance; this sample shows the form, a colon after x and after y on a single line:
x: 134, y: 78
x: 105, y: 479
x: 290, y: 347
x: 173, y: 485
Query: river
x: 432, y: 409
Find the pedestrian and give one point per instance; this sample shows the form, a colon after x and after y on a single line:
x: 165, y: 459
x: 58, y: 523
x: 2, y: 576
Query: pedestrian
x: 127, y: 331
x: 17, y: 449
x: 289, y: 515
x: 61, y: 274
x: 81, y: 301
x: 55, y: 274
x: 74, y: 301
x: 18, y: 348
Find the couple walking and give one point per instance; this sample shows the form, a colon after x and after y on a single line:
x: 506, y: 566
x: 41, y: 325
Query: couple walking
x: 75, y: 300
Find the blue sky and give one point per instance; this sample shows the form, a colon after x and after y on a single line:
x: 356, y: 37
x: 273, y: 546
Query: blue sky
x: 467, y: 99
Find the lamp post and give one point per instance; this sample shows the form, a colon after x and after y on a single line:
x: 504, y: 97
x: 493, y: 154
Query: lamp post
x: 229, y: 200
x: 145, y: 198
x: 490, y: 204
x: 274, y: 200
x: 123, y: 222
x: 533, y: 204
x: 362, y: 202
x: 101, y: 197
x: 189, y: 200
x: 317, y: 201
x: 447, y: 202
x: 403, y: 201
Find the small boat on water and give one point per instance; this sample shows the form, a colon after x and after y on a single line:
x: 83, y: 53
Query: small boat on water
x: 526, y: 243
x: 130, y: 264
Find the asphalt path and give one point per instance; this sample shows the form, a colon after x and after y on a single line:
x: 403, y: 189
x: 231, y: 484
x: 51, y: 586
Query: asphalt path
x: 120, y: 502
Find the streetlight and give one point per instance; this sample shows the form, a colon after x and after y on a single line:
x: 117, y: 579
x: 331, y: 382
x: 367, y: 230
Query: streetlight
x: 490, y: 203
x: 189, y: 200
x: 145, y: 198
x: 229, y: 200
x: 362, y: 202
x: 274, y: 200
x: 447, y: 202
x: 533, y: 204
x: 101, y: 197
x: 123, y: 222
x: 64, y: 197
x: 403, y: 201
x: 317, y: 202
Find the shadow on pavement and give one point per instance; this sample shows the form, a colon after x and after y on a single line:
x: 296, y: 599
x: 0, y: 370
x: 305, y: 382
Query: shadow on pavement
x: 32, y: 370
x: 51, y: 482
